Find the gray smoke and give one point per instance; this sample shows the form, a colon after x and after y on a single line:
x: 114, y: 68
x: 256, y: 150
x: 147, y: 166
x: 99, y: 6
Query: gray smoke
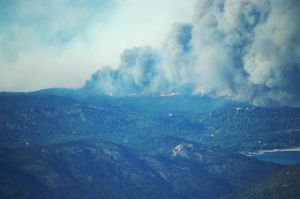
x: 246, y: 50
x: 137, y: 73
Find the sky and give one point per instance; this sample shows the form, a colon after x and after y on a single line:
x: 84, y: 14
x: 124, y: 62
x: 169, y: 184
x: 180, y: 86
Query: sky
x: 60, y: 43
x: 246, y: 50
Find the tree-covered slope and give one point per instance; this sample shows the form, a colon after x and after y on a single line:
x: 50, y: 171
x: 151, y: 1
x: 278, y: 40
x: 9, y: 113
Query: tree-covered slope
x: 282, y: 185
x: 97, y: 169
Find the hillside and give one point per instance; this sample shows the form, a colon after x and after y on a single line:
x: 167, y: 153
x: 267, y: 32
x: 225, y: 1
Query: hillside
x: 45, y: 117
x: 282, y: 185
x: 66, y: 143
x: 97, y: 169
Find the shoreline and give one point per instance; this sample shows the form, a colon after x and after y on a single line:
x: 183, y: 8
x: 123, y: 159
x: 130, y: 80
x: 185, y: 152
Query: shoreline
x: 260, y: 152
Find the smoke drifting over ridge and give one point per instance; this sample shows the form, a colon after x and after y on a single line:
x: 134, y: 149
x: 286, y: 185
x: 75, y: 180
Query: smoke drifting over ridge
x: 246, y: 50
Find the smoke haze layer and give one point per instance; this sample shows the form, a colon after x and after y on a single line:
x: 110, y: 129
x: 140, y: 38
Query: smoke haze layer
x: 244, y: 50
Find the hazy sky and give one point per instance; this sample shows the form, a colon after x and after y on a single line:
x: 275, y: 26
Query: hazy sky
x: 59, y: 43
x: 242, y: 49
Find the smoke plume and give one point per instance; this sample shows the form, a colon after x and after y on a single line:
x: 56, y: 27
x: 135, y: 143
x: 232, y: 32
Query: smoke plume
x: 247, y: 50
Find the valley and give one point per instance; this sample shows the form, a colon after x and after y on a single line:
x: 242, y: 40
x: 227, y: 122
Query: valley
x: 69, y: 143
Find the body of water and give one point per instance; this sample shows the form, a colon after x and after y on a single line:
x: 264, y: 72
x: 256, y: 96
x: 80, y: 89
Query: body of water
x: 280, y: 157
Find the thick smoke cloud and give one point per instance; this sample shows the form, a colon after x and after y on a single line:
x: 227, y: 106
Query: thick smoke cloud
x: 245, y: 50
x: 137, y: 73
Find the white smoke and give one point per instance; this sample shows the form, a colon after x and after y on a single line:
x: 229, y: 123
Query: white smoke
x: 247, y: 50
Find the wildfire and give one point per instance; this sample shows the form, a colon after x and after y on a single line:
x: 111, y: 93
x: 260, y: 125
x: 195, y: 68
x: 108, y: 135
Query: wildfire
x: 109, y: 94
x: 132, y: 94
x: 172, y: 94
